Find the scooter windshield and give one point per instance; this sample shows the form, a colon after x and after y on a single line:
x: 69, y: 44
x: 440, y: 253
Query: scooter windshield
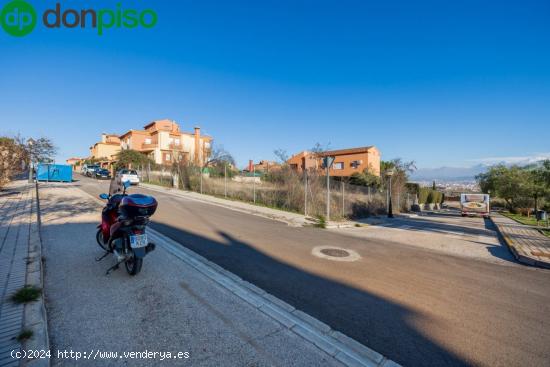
x: 116, y: 186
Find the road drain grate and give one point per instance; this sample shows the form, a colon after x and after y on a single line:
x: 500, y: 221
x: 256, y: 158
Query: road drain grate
x: 335, y: 252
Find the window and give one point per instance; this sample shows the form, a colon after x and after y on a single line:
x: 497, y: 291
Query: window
x: 147, y: 140
x: 177, y: 141
x: 355, y: 164
x: 167, y: 157
x: 338, y: 165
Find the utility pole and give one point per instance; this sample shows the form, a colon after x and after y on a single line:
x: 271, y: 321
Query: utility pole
x: 328, y: 163
x: 225, y: 179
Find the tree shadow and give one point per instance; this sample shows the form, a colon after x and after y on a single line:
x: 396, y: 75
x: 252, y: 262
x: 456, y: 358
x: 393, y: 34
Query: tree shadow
x: 422, y: 224
x: 379, y: 323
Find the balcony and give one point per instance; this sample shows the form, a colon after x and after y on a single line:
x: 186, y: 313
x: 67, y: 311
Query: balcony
x: 148, y: 147
x: 173, y: 146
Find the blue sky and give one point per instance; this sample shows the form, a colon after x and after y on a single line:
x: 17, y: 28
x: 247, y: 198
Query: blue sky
x: 438, y: 82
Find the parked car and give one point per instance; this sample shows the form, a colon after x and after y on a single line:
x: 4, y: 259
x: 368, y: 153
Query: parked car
x: 129, y: 175
x: 102, y: 174
x: 89, y: 169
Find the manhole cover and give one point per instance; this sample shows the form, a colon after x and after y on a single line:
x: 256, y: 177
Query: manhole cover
x: 335, y: 252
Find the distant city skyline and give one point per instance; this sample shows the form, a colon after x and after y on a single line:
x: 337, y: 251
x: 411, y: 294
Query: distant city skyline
x: 443, y: 84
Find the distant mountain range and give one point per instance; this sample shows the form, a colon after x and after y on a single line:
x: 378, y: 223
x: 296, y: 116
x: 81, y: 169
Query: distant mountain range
x: 448, y: 173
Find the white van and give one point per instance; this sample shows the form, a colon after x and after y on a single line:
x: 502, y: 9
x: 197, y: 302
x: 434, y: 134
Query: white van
x: 475, y: 204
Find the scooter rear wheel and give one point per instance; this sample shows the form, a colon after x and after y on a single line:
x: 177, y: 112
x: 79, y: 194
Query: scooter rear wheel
x: 99, y: 239
x: 133, y: 265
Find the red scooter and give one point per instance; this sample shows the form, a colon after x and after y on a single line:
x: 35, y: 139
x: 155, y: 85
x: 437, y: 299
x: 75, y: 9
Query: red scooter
x: 122, y: 230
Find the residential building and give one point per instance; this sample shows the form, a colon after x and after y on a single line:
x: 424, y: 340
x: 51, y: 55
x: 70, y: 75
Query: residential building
x: 346, y: 161
x: 263, y: 166
x: 105, y: 151
x: 164, y: 143
x: 75, y: 163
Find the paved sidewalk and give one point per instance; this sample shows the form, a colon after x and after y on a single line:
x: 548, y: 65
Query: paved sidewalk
x: 526, y: 243
x: 15, y: 214
x: 178, y: 303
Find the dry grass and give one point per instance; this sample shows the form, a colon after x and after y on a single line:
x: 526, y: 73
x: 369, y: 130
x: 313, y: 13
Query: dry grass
x: 286, y: 191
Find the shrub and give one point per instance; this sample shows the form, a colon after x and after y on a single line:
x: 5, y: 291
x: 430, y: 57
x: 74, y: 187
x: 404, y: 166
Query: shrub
x: 430, y: 197
x: 24, y: 335
x: 26, y: 294
x: 412, y: 188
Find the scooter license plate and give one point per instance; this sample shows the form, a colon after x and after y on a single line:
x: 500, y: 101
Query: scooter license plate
x: 138, y: 240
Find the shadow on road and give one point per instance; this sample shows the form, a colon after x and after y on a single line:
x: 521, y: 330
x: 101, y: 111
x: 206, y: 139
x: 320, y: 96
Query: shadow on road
x: 400, y: 332
x: 383, y: 325
x: 419, y: 223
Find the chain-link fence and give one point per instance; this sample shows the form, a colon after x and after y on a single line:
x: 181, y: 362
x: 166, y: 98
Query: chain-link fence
x: 282, y: 189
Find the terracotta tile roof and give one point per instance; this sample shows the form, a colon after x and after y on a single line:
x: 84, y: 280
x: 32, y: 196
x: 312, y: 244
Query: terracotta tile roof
x: 347, y: 151
x: 160, y: 121
x: 134, y: 131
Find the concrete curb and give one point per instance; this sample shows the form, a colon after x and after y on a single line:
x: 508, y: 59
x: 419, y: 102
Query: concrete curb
x: 337, y: 345
x: 519, y: 256
x: 35, y: 316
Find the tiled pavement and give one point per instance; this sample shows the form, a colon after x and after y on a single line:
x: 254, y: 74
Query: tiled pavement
x: 527, y: 244
x: 15, y: 210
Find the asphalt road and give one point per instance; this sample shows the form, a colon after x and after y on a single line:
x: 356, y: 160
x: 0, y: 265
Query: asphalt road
x: 417, y: 306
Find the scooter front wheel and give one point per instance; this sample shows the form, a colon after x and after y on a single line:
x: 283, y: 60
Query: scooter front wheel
x: 99, y: 239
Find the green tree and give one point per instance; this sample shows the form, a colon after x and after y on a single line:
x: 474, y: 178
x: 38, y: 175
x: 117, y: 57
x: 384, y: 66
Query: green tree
x: 537, y: 185
x: 509, y: 183
x: 365, y: 178
x: 39, y: 150
x: 131, y: 158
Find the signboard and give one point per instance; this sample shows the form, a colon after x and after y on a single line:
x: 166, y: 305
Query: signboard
x: 328, y: 161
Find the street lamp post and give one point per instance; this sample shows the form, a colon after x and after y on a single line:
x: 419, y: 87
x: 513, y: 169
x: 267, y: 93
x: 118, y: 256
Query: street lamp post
x: 389, y: 174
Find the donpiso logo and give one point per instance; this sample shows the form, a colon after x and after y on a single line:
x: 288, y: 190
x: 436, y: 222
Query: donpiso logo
x: 18, y: 18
